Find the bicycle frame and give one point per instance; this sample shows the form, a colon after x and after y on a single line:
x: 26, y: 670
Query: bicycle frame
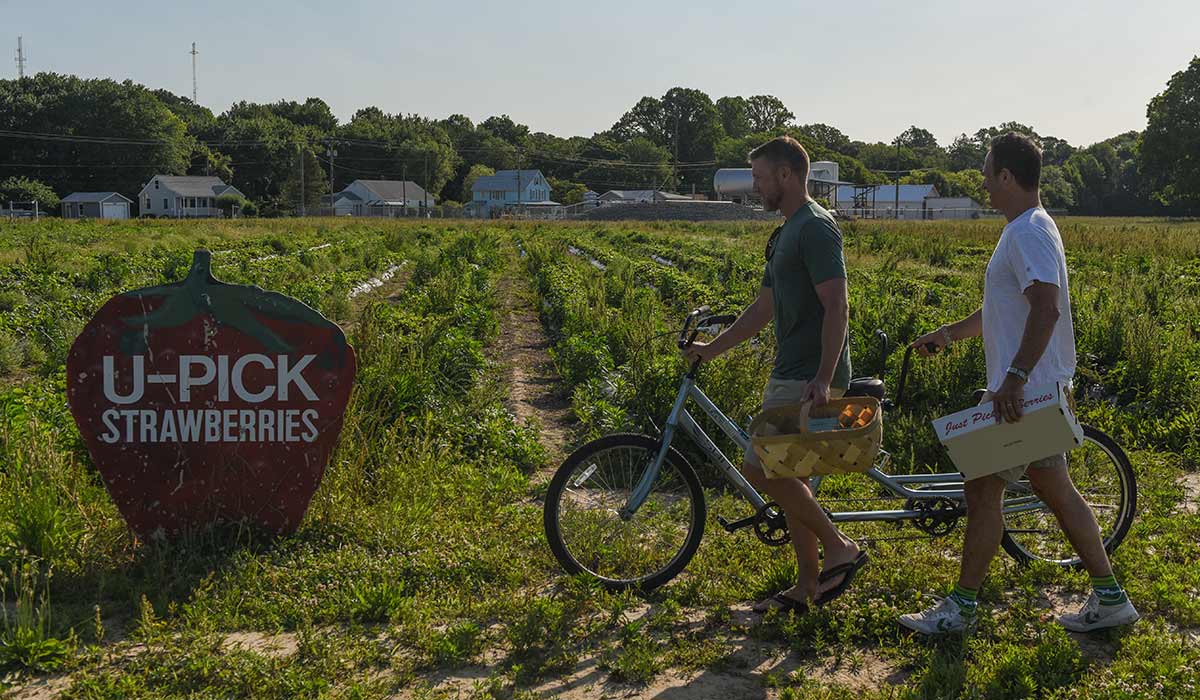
x: 897, y: 485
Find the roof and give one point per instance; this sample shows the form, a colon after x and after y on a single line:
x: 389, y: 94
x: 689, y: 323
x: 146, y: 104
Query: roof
x: 193, y: 185
x: 647, y: 195
x: 346, y: 194
x: 94, y: 197
x: 887, y: 193
x: 393, y: 190
x: 505, y: 180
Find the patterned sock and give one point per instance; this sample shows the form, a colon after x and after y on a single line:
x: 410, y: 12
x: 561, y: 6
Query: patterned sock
x: 966, y: 599
x: 1108, y: 590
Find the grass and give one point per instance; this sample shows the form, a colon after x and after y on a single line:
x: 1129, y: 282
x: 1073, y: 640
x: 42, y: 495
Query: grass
x: 422, y: 555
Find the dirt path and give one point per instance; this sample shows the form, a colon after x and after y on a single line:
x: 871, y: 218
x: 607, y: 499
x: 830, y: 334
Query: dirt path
x: 524, y: 348
x: 1191, y: 493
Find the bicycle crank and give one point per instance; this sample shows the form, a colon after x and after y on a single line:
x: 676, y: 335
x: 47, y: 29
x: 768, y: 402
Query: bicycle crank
x: 770, y: 525
x: 940, y: 515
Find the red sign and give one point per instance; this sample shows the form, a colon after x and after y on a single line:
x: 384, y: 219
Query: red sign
x: 203, y: 402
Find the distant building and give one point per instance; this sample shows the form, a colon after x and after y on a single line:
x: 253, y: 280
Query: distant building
x: 637, y: 196
x: 96, y: 205
x: 183, y: 196
x: 492, y: 193
x: 903, y: 202
x: 382, y: 198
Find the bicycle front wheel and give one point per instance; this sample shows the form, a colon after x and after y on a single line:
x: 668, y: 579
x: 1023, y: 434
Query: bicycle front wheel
x: 1104, y: 477
x: 583, y: 513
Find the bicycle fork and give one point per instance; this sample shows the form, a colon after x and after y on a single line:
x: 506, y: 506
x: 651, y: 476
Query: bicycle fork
x: 680, y: 418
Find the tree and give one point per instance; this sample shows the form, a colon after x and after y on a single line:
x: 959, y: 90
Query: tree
x: 303, y: 189
x: 964, y: 183
x: 504, y: 127
x: 684, y: 121
x: 916, y: 138
x: 21, y: 189
x: 153, y: 139
x: 1168, y: 153
x: 565, y: 191
x: 227, y: 203
x: 477, y: 171
x: 380, y: 146
x: 767, y: 112
x: 966, y: 152
x: 735, y: 119
x: 1058, y: 192
x: 827, y: 136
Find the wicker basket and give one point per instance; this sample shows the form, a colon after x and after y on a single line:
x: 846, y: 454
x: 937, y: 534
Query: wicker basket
x: 786, y: 446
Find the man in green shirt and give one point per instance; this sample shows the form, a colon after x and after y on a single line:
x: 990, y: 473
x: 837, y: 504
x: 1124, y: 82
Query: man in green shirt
x: 804, y: 291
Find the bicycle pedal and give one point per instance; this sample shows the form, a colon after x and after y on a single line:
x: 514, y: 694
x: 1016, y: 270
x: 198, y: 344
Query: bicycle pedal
x: 735, y: 525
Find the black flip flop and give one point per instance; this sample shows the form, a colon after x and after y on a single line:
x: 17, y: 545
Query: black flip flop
x: 786, y: 604
x: 847, y: 571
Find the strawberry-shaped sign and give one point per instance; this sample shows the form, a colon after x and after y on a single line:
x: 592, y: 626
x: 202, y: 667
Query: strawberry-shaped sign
x: 203, y: 402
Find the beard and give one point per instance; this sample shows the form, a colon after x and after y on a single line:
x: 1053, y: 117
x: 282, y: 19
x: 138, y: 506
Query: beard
x: 770, y: 203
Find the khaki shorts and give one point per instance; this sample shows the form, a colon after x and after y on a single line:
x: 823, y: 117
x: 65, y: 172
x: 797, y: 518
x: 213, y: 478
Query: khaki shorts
x: 1014, y: 474
x: 784, y: 392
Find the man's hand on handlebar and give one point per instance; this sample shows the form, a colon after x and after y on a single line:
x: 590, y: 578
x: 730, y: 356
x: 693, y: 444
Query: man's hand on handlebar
x: 700, y: 352
x: 930, y: 344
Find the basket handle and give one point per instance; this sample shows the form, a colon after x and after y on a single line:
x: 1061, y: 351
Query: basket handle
x: 804, y: 410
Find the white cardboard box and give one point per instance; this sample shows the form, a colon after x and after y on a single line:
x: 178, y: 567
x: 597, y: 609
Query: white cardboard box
x: 980, y: 446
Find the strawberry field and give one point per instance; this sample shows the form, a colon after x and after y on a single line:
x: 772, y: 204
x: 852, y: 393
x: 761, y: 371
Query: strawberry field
x: 421, y: 569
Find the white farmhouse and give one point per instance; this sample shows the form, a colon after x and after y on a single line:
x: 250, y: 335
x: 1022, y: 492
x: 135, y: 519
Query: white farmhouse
x: 183, y: 196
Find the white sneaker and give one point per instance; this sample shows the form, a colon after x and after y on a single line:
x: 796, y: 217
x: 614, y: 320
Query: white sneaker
x: 943, y: 618
x: 1094, y: 616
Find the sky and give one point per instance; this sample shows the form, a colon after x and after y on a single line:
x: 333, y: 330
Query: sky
x: 1081, y: 71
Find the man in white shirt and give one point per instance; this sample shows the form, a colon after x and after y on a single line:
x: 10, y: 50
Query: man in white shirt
x: 1028, y: 336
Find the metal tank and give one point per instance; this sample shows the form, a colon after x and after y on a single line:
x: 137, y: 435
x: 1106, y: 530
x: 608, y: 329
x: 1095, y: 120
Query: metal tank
x: 733, y: 182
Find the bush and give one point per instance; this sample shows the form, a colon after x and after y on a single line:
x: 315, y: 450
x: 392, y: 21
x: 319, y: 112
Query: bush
x: 22, y: 189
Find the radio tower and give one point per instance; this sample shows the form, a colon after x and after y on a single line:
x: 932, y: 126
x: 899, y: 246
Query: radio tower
x: 194, y: 73
x: 20, y: 59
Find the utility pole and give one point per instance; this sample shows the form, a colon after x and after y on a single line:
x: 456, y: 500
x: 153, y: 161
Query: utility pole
x: 426, y: 187
x: 331, y: 152
x: 300, y: 155
x: 404, y: 185
x: 518, y: 176
x: 20, y: 58
x: 194, y: 73
x: 676, y: 168
x: 896, y: 175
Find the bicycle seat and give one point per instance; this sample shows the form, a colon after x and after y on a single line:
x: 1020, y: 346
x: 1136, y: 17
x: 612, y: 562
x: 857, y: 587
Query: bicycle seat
x: 867, y: 386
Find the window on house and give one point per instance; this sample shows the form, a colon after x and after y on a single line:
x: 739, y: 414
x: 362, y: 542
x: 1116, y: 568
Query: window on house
x: 165, y: 204
x: 148, y: 204
x: 156, y: 184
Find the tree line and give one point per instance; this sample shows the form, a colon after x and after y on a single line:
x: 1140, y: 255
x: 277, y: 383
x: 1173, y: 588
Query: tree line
x: 61, y: 134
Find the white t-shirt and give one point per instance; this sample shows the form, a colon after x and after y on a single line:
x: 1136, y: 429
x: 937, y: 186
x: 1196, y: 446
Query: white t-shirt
x: 1030, y: 250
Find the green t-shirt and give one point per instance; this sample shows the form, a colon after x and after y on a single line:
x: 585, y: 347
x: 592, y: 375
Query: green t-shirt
x: 807, y: 252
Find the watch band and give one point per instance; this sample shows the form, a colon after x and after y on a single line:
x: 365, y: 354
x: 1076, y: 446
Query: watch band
x: 945, y: 331
x: 1017, y: 371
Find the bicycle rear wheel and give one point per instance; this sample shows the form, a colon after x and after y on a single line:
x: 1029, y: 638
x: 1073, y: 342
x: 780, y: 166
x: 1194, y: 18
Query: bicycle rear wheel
x: 1103, y: 476
x: 586, y: 531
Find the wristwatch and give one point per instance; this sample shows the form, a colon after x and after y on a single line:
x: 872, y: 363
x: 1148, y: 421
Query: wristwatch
x: 945, y: 331
x: 1018, y: 372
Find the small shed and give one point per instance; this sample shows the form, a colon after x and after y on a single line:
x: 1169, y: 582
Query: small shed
x: 96, y: 205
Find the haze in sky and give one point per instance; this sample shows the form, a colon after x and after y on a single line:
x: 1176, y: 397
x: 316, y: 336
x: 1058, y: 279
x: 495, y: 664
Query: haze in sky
x: 1079, y: 70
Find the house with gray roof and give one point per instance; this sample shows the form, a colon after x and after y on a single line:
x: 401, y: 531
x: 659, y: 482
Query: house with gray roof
x: 492, y: 193
x: 382, y: 198
x: 183, y: 196
x: 96, y: 205
x: 634, y: 196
